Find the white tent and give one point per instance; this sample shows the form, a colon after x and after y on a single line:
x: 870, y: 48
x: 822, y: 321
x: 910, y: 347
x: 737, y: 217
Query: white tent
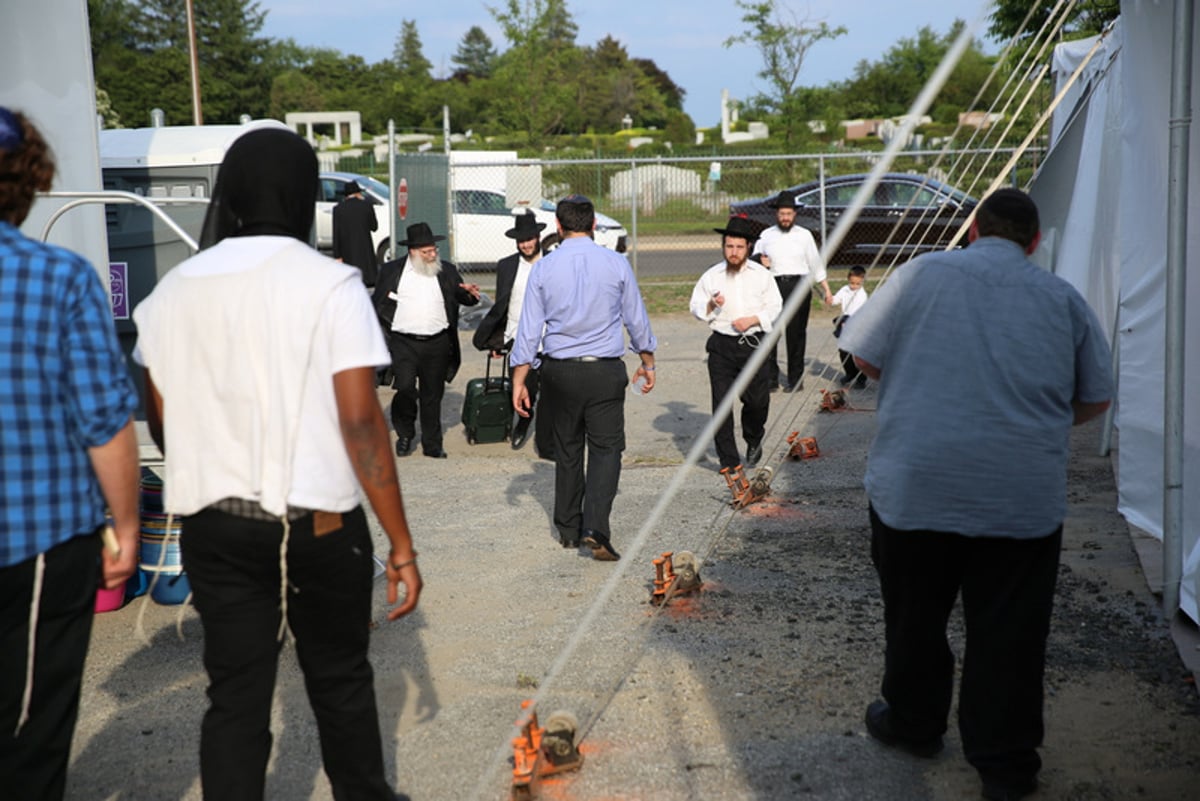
x: 1103, y: 197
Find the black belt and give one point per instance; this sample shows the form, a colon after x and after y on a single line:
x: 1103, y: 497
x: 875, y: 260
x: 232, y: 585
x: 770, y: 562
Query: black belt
x: 423, y: 337
x: 588, y: 359
x: 790, y: 277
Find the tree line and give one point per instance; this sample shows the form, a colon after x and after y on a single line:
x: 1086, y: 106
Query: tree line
x: 542, y: 83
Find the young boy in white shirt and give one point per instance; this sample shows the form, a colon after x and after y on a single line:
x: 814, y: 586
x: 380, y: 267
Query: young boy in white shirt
x: 851, y: 298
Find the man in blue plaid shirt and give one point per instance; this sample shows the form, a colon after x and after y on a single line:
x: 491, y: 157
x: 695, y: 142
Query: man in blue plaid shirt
x: 67, y: 447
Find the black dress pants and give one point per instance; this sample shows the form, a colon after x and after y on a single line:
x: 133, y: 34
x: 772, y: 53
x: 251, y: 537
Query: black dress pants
x: 727, y: 355
x: 1007, y: 588
x: 586, y: 406
x: 233, y: 565
x: 419, y: 367
x: 33, y: 763
x: 795, y: 335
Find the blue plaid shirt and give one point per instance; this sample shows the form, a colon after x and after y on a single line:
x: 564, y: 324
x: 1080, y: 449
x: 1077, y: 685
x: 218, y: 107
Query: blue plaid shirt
x: 64, y: 388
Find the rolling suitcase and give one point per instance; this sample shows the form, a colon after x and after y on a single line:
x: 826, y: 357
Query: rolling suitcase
x: 487, y: 408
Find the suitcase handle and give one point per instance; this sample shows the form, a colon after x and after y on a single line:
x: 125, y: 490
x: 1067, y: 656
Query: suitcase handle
x: 487, y: 372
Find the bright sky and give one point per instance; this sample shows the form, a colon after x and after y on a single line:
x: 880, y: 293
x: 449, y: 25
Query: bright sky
x: 683, y: 37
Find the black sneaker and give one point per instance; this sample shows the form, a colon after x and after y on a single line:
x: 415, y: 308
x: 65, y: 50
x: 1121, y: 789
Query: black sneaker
x: 879, y: 726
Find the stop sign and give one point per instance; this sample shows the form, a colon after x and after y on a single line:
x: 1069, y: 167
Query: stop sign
x: 402, y: 199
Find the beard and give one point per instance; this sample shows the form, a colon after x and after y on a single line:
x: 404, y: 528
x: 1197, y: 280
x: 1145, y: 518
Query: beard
x: 735, y: 266
x: 426, y: 267
x: 785, y: 227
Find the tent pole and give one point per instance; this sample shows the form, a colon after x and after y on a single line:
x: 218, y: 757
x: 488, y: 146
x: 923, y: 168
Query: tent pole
x: 1177, y: 203
x: 1110, y: 412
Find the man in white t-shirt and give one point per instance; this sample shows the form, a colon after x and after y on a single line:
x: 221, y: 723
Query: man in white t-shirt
x: 790, y: 252
x: 260, y: 359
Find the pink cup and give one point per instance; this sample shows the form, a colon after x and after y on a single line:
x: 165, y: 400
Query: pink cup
x: 108, y: 600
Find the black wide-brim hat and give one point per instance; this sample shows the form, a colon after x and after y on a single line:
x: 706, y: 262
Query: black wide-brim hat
x: 784, y: 200
x: 741, y: 227
x: 352, y: 188
x: 419, y: 235
x: 527, y: 227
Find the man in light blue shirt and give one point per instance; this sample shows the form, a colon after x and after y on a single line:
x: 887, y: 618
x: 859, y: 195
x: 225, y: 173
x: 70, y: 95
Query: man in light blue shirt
x: 985, y: 361
x: 578, y: 300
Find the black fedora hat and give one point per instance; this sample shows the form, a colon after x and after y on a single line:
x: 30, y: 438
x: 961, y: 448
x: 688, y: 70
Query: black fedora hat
x: 527, y: 227
x: 784, y: 200
x: 419, y: 235
x: 352, y: 188
x: 740, y: 226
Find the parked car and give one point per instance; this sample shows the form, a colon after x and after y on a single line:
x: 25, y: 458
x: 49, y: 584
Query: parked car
x: 907, y: 215
x: 333, y: 190
x: 481, y: 216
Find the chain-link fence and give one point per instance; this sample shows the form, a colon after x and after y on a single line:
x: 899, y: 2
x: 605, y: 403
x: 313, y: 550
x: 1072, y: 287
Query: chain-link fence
x: 662, y: 211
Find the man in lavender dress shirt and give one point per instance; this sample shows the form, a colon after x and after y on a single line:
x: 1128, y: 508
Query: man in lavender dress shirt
x: 577, y: 301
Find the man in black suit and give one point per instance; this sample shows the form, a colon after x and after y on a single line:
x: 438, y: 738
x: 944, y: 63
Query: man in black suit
x: 417, y: 300
x: 498, y: 329
x: 353, y: 222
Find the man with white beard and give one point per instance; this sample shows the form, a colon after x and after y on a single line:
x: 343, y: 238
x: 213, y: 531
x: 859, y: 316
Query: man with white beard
x: 740, y: 302
x: 417, y: 300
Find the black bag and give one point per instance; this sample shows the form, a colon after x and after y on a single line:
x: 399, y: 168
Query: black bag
x: 487, y: 408
x: 839, y: 323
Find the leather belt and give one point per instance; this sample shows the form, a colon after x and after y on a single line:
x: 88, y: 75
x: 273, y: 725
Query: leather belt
x: 423, y: 337
x: 585, y: 359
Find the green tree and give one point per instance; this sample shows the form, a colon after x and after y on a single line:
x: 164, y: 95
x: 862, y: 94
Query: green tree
x: 671, y: 92
x: 140, y: 55
x: 783, y: 42
x: 1087, y: 18
x: 538, y: 68
x: 886, y: 88
x: 294, y: 91
x: 611, y: 86
x: 408, y: 55
x: 476, y: 55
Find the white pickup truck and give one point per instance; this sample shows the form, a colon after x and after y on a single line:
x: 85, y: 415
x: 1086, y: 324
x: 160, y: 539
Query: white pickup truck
x: 481, y: 216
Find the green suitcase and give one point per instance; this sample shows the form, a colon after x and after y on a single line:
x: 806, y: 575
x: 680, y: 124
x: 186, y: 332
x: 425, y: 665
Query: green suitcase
x: 487, y: 408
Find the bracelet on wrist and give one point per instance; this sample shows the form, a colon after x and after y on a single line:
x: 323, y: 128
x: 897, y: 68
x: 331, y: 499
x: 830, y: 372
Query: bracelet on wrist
x: 406, y: 563
x: 649, y: 369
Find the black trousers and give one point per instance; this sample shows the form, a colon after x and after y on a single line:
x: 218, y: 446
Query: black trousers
x: 233, y: 566
x: 33, y: 763
x: 848, y: 365
x: 795, y: 335
x: 726, y: 358
x: 586, y: 407
x: 419, y: 367
x: 1007, y: 588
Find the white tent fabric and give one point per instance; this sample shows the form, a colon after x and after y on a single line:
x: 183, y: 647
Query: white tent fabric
x: 1103, y: 194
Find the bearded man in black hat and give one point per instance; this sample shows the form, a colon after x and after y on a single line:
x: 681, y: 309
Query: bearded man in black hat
x: 498, y: 329
x: 791, y: 253
x: 353, y: 222
x: 417, y: 300
x: 739, y: 300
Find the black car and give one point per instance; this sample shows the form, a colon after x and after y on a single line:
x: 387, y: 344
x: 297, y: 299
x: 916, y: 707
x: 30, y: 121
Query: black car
x: 912, y: 214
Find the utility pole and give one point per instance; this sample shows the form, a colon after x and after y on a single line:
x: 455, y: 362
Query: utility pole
x: 197, y: 115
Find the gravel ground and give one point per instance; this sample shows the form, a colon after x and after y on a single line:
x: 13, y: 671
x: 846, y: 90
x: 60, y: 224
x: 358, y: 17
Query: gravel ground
x: 752, y: 688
